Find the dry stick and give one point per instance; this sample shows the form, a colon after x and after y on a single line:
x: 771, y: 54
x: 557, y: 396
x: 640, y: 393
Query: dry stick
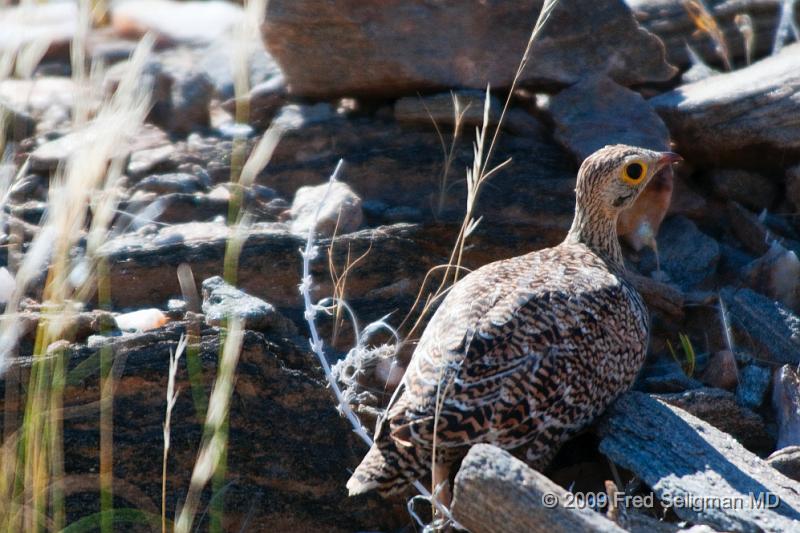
x: 309, y: 253
x: 479, y: 173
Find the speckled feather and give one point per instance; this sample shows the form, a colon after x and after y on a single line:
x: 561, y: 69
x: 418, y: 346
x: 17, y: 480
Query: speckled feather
x: 522, y: 353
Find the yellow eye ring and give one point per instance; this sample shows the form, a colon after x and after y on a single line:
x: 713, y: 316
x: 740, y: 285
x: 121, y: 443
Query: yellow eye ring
x: 634, y: 172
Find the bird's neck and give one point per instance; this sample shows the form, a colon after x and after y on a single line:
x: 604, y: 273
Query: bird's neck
x: 597, y: 229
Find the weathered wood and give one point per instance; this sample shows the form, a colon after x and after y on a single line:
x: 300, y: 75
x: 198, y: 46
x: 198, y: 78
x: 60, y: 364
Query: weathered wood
x: 686, y: 461
x: 739, y: 114
x: 496, y: 492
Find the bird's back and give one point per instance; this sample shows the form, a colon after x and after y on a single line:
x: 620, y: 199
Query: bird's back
x: 521, y: 353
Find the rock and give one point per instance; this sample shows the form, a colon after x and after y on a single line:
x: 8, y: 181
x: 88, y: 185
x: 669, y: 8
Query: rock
x: 175, y: 22
x: 440, y: 108
x: 143, y: 268
x: 786, y: 402
x: 178, y: 182
x: 738, y: 115
x: 595, y: 112
x: 527, y: 205
x: 720, y: 409
x: 786, y: 461
x: 141, y: 320
x: 496, y: 492
x: 264, y: 101
x: 289, y: 450
x: 47, y: 100
x: 364, y: 58
x: 222, y: 301
x: 664, y: 376
x: 753, y: 383
x: 326, y: 210
x: 751, y: 189
x: 149, y: 159
x: 749, y: 229
x: 30, y: 187
x: 688, y: 256
x: 53, y: 25
x: 181, y: 92
x: 793, y: 186
x: 776, y: 274
x: 679, y: 456
x: 14, y: 124
x: 217, y: 59
x: 721, y: 371
x: 670, y: 20
x: 769, y: 327
x: 686, y: 200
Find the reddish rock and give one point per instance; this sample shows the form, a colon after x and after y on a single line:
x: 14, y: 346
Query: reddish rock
x: 399, y: 47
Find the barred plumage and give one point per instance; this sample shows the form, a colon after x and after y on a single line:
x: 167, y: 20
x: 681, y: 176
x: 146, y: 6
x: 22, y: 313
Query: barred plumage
x: 524, y: 352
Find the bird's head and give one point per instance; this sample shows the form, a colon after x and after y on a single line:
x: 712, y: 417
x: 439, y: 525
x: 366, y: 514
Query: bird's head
x: 612, y: 178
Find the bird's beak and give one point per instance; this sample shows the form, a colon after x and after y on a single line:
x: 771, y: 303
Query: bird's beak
x: 667, y: 158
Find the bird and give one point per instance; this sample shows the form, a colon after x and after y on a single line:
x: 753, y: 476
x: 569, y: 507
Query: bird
x: 523, y: 352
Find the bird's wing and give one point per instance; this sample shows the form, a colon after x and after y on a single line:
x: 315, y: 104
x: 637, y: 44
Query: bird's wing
x: 486, y: 359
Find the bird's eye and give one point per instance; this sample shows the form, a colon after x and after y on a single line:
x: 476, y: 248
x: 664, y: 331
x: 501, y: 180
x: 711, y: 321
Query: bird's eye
x: 634, y: 172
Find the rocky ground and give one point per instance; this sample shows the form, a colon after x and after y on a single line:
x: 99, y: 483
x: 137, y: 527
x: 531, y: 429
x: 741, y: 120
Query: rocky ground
x: 713, y: 248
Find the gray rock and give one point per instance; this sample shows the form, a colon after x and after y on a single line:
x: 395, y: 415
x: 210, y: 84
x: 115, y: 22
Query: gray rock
x: 737, y: 115
x: 680, y: 456
x: 687, y: 255
x: 775, y: 274
x: 770, y: 328
x: 341, y: 211
x: 720, y: 409
x: 670, y: 20
x: 264, y: 100
x: 441, y: 109
x: 786, y: 403
x: 191, y: 96
x: 753, y: 383
x: 15, y: 124
x: 217, y: 60
x: 596, y: 112
x: 222, y: 301
x: 450, y: 44
x: 786, y: 461
x: 177, y: 182
x: 750, y: 189
x: 30, y: 187
x: 665, y: 375
x: 50, y: 154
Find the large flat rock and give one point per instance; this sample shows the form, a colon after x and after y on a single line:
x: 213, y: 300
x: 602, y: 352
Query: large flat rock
x: 682, y: 457
x: 289, y: 450
x: 397, y: 47
x: 740, y: 114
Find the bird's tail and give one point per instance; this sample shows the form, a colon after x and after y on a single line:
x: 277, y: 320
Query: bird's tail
x: 387, y: 468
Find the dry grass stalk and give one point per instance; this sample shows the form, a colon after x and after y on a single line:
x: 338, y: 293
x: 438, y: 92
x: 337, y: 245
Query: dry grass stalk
x: 214, y: 442
x: 172, y: 398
